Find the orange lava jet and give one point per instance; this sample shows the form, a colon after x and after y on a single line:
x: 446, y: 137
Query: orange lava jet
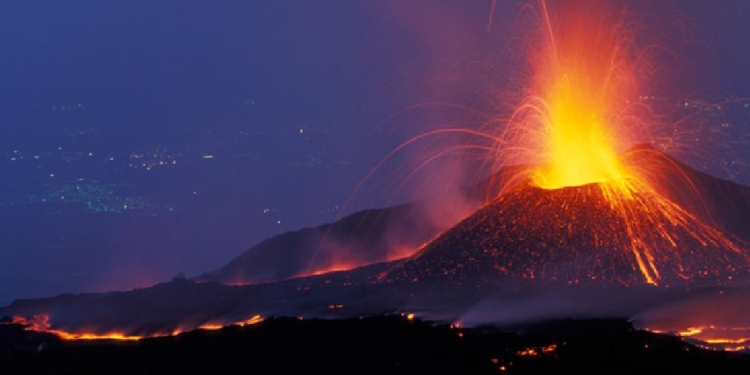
x: 577, y: 108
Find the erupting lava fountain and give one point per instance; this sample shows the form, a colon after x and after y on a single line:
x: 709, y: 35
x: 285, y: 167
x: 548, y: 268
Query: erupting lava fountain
x: 595, y: 204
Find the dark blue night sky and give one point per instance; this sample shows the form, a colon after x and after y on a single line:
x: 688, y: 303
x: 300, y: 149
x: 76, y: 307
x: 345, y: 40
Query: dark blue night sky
x: 139, y: 139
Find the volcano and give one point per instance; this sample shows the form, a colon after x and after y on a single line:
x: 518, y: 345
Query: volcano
x: 525, y: 238
x: 679, y: 231
x: 564, y: 236
x: 573, y: 236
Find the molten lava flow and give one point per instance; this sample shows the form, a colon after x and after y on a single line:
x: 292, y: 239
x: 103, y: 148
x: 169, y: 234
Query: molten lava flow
x: 211, y: 327
x: 216, y: 326
x: 712, y: 319
x: 335, y: 267
x: 40, y: 323
x: 726, y: 338
x: 733, y: 339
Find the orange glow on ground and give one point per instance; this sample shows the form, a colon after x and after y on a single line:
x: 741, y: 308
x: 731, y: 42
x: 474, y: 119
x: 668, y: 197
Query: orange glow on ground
x: 211, y: 327
x: 536, y: 351
x: 93, y: 336
x: 253, y: 320
x: 41, y: 323
x: 336, y: 267
x: 714, y: 337
x: 314, y: 271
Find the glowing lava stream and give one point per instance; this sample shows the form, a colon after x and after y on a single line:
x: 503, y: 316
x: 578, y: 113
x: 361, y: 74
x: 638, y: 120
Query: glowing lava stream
x: 711, y: 337
x: 40, y: 323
